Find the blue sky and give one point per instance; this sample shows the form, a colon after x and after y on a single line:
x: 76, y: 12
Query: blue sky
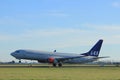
x: 66, y: 25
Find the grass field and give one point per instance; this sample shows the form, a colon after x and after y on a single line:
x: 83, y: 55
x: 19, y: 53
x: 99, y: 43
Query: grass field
x: 64, y: 73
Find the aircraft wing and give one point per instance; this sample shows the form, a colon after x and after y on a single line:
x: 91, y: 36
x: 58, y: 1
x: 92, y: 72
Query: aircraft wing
x: 62, y: 59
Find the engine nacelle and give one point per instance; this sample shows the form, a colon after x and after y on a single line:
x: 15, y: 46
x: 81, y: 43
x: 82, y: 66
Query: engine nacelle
x: 51, y: 60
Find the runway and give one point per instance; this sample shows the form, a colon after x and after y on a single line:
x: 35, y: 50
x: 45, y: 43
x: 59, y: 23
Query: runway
x: 50, y: 66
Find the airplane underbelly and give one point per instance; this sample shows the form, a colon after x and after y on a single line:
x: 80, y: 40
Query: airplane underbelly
x: 79, y: 60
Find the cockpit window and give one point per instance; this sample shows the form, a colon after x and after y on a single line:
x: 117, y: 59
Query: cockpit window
x: 17, y: 51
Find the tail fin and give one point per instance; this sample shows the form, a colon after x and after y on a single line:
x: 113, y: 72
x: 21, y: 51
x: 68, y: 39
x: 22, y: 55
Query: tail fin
x: 95, y: 50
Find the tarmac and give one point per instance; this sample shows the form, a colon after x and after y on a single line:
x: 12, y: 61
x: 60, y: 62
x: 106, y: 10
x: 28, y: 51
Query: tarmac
x: 50, y: 66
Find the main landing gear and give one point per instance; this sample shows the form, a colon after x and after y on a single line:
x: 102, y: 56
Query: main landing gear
x: 54, y: 64
x: 59, y: 64
x: 19, y: 61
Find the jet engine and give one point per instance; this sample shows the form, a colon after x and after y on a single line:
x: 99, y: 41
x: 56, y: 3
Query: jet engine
x: 51, y: 60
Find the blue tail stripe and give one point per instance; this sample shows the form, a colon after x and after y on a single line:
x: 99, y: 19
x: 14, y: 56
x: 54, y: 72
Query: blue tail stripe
x: 95, y: 50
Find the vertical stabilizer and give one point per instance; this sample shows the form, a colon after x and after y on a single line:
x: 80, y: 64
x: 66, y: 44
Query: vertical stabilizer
x: 95, y: 50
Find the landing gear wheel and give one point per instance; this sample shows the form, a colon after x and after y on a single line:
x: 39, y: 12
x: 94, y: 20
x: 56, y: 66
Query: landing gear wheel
x: 19, y: 61
x: 60, y: 64
x: 54, y: 64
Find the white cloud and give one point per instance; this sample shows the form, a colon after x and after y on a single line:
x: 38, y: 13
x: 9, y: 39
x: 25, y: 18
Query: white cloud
x: 59, y: 38
x: 51, y: 32
x: 56, y: 13
x: 46, y: 13
x: 108, y: 28
x: 5, y: 37
x: 68, y: 37
x: 12, y: 21
x: 111, y: 28
x: 110, y: 33
x: 116, y: 4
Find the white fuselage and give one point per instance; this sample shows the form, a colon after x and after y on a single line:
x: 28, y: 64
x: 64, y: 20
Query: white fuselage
x: 43, y: 56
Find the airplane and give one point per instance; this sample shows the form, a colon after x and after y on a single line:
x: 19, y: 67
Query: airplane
x: 57, y: 58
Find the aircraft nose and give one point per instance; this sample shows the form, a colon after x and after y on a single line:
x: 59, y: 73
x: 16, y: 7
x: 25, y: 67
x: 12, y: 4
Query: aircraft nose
x: 13, y: 54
